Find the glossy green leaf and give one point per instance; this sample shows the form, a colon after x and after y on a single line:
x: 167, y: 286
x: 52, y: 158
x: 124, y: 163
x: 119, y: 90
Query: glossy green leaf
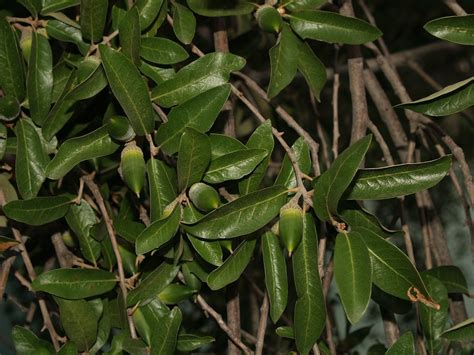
x: 397, y: 180
x: 276, y: 279
x: 451, y: 277
x: 129, y: 88
x: 157, y: 74
x: 404, y: 345
x: 39, y: 82
x: 161, y: 50
x: 312, y: 69
x: 75, y: 150
x: 27, y: 343
x: 148, y: 11
x: 190, y: 342
x: 433, y: 322
x: 285, y: 332
x: 162, y: 187
x: 310, y: 306
x: 296, y: 5
x: 81, y: 218
x: 234, y: 165
x: 12, y: 75
x: 330, y: 186
x: 193, y: 157
x: 147, y: 317
x: 456, y: 29
x: 203, y: 74
x: 153, y: 283
x: 135, y: 346
x: 332, y: 28
x: 38, y: 210
x: 184, y: 23
x: 31, y: 160
x: 104, y: 327
x: 241, y: 216
x: 79, y: 321
x: 75, y: 284
x: 66, y: 33
x: 175, y: 293
x: 199, y: 113
x: 283, y: 61
x: 392, y: 271
x: 129, y: 33
x: 353, y: 271
x: 286, y: 176
x: 158, y: 233
x: 463, y: 331
x: 128, y: 230
x: 233, y: 266
x: 89, y: 79
x: 209, y: 250
x: 217, y: 8
x: 222, y: 144
x: 164, y: 341
x: 57, y: 5
x: 261, y: 138
x: 92, y: 19
x: 68, y: 349
x: 447, y: 101
x: 9, y: 108
x: 61, y: 74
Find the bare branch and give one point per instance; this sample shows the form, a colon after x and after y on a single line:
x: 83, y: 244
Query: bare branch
x: 262, y: 326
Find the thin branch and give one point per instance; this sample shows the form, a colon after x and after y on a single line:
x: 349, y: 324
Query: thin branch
x: 233, y: 315
x: 4, y: 273
x: 335, y: 115
x: 381, y: 141
x: 89, y: 180
x: 65, y: 257
x: 455, y: 7
x: 262, y: 326
x: 321, y: 135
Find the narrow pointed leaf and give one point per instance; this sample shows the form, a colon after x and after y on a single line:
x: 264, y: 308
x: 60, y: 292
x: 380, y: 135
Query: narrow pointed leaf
x: 164, y: 341
x: 283, y: 61
x: 39, y: 83
x: 404, y: 345
x: 184, y: 23
x: 447, y: 101
x: 397, y: 180
x: 296, y: 5
x: 331, y: 185
x: 456, y: 29
x: 332, y: 28
x: 193, y: 157
x: 75, y: 150
x: 199, y: 113
x: 234, y: 165
x: 158, y: 233
x: 26, y: 342
x: 463, y: 331
x: 38, y: 210
x: 312, y: 69
x: 129, y: 88
x: 203, y: 74
x: 276, y: 279
x: 75, y: 284
x: 217, y: 8
x: 163, y: 188
x: 210, y: 251
x: 161, y: 50
x: 79, y: 321
x: 68, y: 349
x: 93, y: 17
x: 286, y: 175
x: 129, y: 32
x: 285, y: 332
x: 66, y: 33
x: 451, y: 277
x: 12, y: 76
x: 241, y: 216
x: 148, y: 11
x: 310, y: 306
x: 352, y: 271
x: 31, y: 160
x: 233, y: 266
x: 153, y: 283
x: 57, y: 5
x: 190, y: 342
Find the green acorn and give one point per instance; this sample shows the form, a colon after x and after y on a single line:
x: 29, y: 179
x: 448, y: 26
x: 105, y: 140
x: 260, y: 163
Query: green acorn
x: 25, y: 43
x: 119, y: 128
x: 132, y: 166
x: 268, y: 18
x: 291, y: 226
x: 204, y: 197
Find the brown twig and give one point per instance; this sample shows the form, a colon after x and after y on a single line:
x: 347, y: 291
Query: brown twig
x: 4, y: 273
x: 335, y: 115
x: 65, y: 257
x: 89, y: 180
x: 262, y: 326
x: 233, y: 315
x: 455, y: 7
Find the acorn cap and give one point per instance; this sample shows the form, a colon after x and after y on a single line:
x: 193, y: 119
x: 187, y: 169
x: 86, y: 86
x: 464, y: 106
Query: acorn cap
x: 133, y: 167
x: 268, y: 18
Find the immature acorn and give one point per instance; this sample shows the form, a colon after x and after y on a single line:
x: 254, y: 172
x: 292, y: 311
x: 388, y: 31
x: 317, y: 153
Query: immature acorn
x: 133, y: 168
x: 119, y: 128
x: 204, y: 197
x: 268, y: 18
x: 25, y: 43
x: 291, y: 226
